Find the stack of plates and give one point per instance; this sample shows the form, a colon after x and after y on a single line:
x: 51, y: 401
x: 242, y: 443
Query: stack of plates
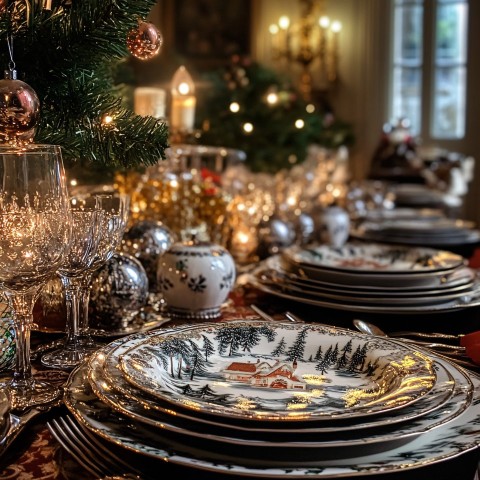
x: 419, y: 231
x: 272, y: 400
x: 371, y: 278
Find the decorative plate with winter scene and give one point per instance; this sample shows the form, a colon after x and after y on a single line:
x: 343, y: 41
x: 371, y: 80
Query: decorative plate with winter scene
x: 112, y: 379
x: 453, y: 438
x: 273, y: 371
x: 371, y: 257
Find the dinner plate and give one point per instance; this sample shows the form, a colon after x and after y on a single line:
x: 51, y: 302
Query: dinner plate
x: 268, y: 277
x: 114, y: 380
x: 444, y: 226
x: 403, y: 214
x: 378, y: 258
x: 469, y: 300
x: 458, y: 436
x: 354, y: 439
x: 280, y: 372
x: 372, y: 279
x: 456, y: 278
x: 467, y: 238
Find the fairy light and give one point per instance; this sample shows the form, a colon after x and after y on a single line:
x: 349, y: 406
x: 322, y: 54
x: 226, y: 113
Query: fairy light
x: 234, y: 107
x: 299, y: 123
x: 272, y: 98
x: 310, y: 108
x: 248, y: 127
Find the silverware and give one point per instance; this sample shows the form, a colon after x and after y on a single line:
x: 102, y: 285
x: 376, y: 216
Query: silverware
x: 18, y: 420
x: 371, y: 329
x: 289, y: 316
x: 456, y: 356
x: 89, y: 452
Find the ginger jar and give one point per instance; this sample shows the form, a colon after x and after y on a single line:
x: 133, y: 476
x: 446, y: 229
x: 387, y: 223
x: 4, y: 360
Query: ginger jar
x: 195, y: 278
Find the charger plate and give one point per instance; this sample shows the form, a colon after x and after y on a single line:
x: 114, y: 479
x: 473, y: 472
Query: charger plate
x: 278, y: 372
x: 448, y: 441
x: 113, y: 380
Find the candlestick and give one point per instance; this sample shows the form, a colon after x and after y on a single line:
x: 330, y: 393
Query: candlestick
x: 150, y: 101
x: 182, y: 114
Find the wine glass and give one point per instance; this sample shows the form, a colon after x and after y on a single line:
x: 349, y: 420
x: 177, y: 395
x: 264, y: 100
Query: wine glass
x: 36, y: 226
x: 87, y: 220
x: 115, y: 207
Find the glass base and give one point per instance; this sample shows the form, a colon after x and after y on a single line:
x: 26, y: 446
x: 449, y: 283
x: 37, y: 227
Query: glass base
x: 67, y: 359
x: 34, y: 393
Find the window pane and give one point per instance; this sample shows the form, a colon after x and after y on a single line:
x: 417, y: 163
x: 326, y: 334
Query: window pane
x: 450, y: 36
x: 407, y: 96
x: 449, y: 103
x: 408, y: 42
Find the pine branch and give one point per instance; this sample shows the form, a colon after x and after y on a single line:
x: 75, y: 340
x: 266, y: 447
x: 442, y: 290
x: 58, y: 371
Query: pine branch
x: 68, y: 56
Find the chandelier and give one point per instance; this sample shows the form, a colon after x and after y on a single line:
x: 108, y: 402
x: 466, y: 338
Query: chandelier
x: 313, y: 40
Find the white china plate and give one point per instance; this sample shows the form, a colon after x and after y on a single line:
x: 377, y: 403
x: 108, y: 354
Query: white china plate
x: 456, y: 278
x: 403, y: 214
x: 355, y: 439
x: 468, y: 238
x: 373, y: 258
x: 470, y: 300
x: 270, y: 278
x: 448, y: 441
x: 444, y: 226
x: 271, y: 371
x: 113, y: 380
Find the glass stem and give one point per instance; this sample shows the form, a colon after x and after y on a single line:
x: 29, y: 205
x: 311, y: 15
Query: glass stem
x: 72, y: 294
x: 22, y: 306
x: 85, y: 300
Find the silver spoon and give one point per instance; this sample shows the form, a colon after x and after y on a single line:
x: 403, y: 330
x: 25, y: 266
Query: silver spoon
x: 371, y: 329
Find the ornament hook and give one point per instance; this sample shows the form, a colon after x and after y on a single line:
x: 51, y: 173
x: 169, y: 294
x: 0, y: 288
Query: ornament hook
x: 11, y: 73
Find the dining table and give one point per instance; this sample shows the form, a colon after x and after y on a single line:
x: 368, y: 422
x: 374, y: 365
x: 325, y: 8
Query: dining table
x: 35, y: 454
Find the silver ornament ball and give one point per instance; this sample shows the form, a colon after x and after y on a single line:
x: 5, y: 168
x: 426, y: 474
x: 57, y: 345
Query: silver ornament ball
x: 119, y: 291
x: 147, y: 240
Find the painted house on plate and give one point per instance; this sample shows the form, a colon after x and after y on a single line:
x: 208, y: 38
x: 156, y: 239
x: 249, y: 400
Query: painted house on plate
x: 262, y: 374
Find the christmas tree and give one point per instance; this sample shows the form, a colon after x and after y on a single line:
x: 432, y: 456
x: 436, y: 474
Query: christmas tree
x: 259, y: 111
x: 70, y: 53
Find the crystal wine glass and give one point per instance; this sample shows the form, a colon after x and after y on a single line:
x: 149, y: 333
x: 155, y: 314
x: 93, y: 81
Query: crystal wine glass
x: 115, y: 209
x: 36, y: 225
x: 87, y: 220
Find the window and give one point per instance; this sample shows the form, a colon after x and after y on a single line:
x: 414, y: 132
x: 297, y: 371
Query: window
x: 433, y: 65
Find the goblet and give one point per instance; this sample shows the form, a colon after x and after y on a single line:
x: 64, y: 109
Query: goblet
x: 87, y: 220
x: 115, y: 208
x: 36, y: 225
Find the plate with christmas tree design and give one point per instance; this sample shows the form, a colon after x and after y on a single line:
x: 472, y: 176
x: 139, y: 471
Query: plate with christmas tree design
x: 256, y: 370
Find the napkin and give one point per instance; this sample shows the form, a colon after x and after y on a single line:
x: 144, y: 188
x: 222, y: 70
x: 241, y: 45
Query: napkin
x: 471, y: 342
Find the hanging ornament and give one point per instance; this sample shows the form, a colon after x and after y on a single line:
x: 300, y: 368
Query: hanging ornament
x: 144, y: 42
x: 19, y: 107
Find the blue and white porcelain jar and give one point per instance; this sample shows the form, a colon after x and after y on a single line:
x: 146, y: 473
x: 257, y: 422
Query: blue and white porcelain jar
x: 195, y: 278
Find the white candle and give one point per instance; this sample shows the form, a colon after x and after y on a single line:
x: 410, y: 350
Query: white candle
x: 150, y: 101
x: 182, y: 114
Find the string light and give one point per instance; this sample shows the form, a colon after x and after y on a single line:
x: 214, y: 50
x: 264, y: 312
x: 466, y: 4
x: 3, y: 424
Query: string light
x: 248, y: 127
x: 299, y: 123
x: 234, y: 107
